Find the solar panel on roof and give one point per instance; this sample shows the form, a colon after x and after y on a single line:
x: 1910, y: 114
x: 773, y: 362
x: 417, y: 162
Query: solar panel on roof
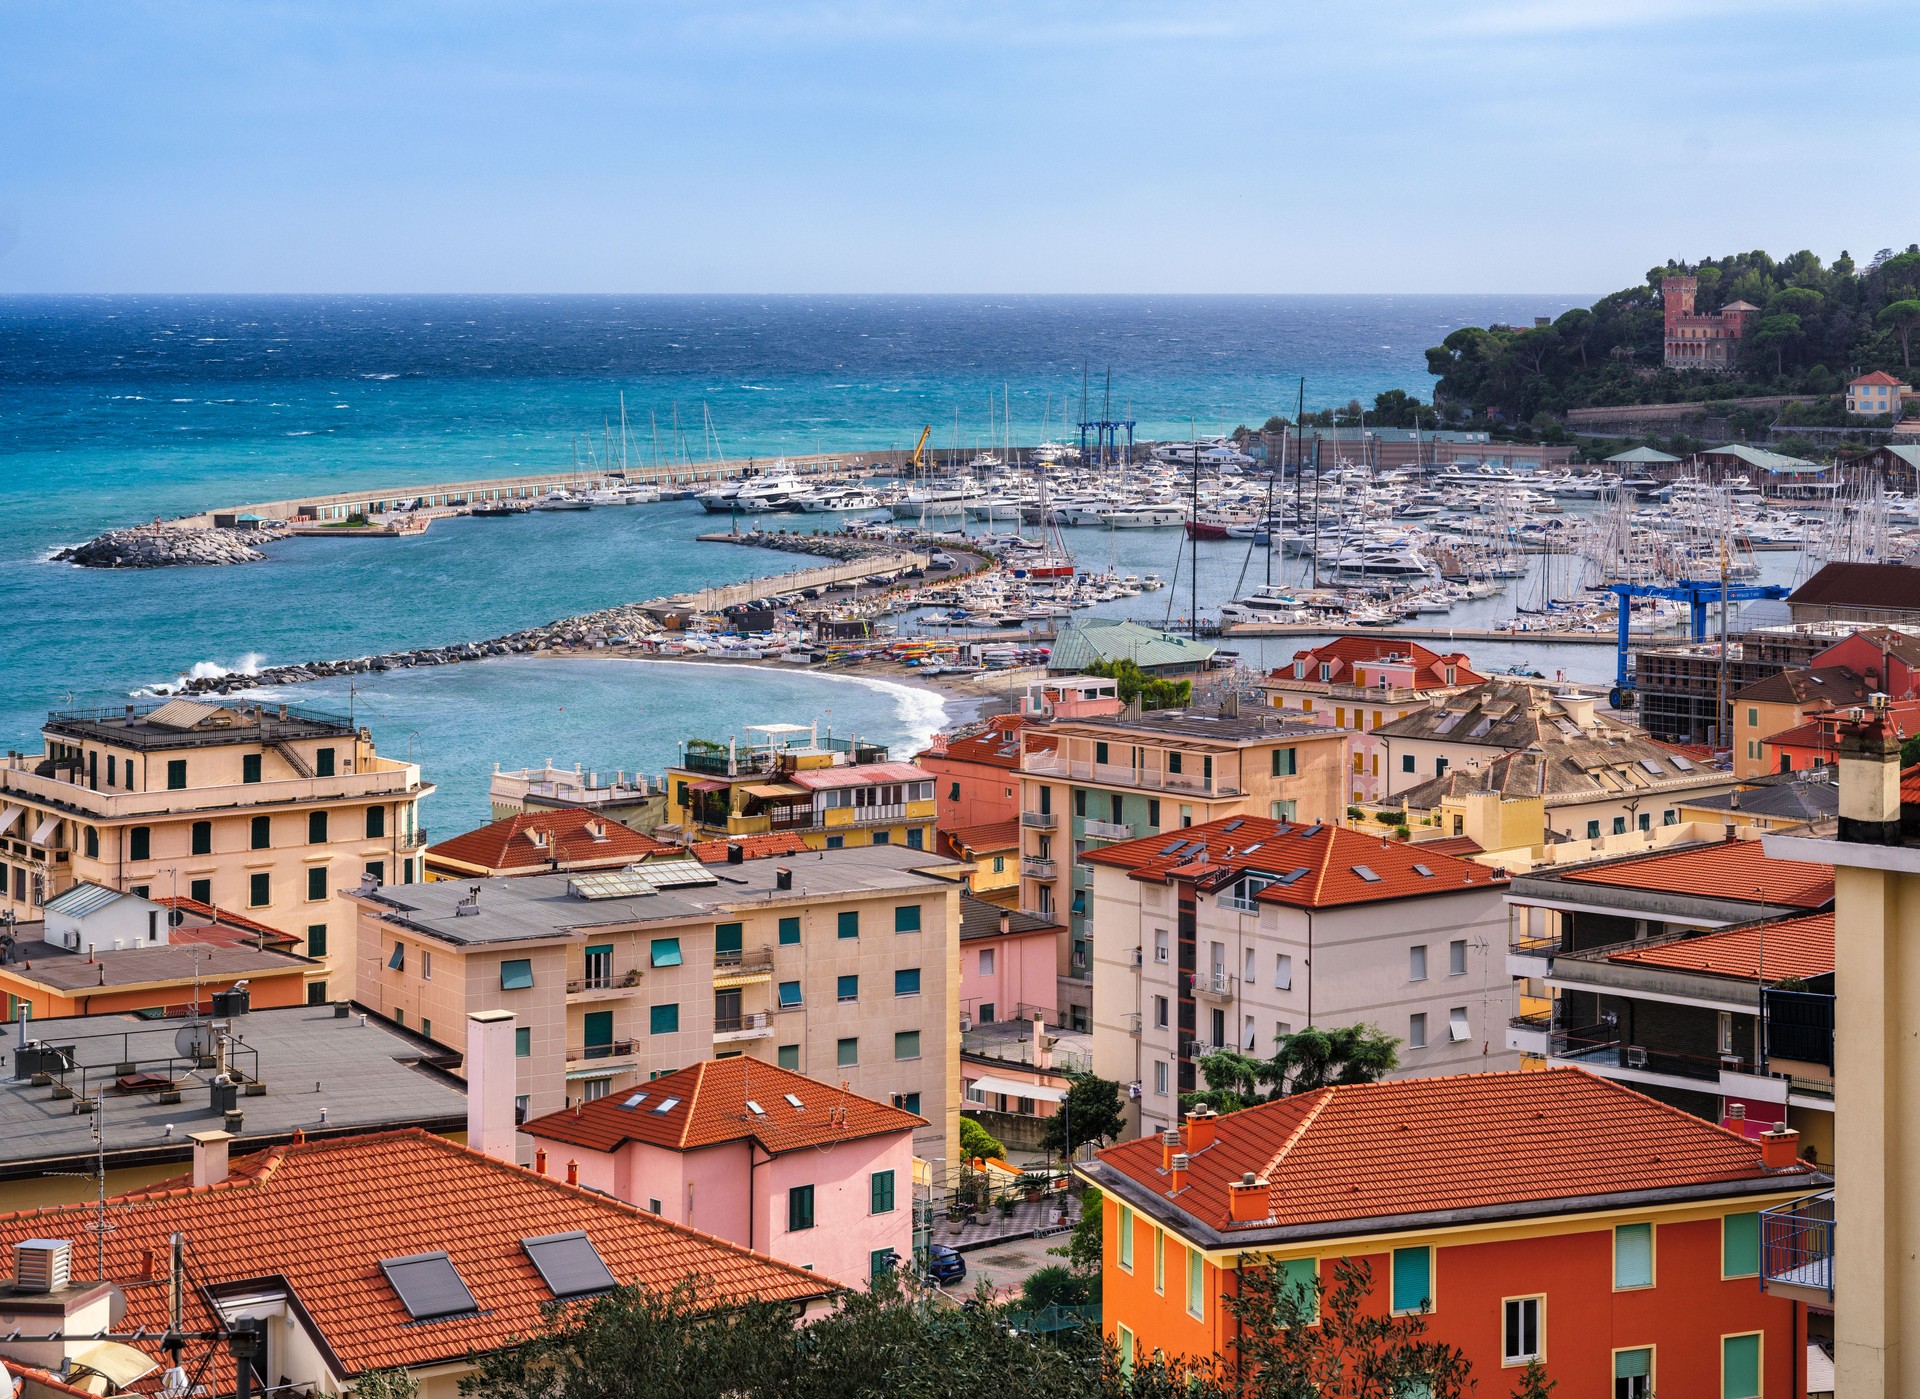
x: 1683, y: 764
x: 570, y: 1264
x: 1175, y: 846
x: 428, y: 1285
x: 666, y: 1105
x: 635, y: 1101
x: 1233, y: 825
x: 1292, y: 875
x: 1366, y: 874
x: 1423, y: 871
x: 1651, y: 766
x: 616, y: 884
x: 794, y: 1102
x: 674, y: 874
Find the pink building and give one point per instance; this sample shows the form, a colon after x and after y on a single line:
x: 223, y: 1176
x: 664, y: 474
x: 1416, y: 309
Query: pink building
x: 1009, y: 963
x: 786, y: 1165
x: 1701, y: 339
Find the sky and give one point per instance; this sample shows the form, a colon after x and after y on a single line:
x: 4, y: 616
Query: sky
x: 919, y: 145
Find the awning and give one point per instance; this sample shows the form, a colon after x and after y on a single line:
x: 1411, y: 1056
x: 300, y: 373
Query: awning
x: 776, y: 792
x: 120, y: 1363
x: 725, y: 980
x: 577, y: 1075
x: 708, y: 785
x: 8, y: 817
x: 1014, y: 1088
x: 45, y: 829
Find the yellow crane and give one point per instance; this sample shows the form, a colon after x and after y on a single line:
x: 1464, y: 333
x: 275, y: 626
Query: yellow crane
x: 919, y: 457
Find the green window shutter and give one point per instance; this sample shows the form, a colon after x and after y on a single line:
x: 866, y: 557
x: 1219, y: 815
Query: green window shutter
x: 847, y: 1053
x: 789, y: 932
x: 1412, y: 1279
x: 1633, y: 1255
x: 1302, y: 1278
x: 317, y: 883
x: 139, y: 843
x: 1100, y: 753
x: 316, y: 828
x: 323, y: 762
x: 849, y: 923
x: 906, y: 918
x: 316, y: 939
x: 176, y: 774
x: 1633, y: 1364
x: 881, y: 1192
x: 848, y: 988
x: 376, y: 822
x: 726, y: 938
x: 906, y: 981
x: 261, y: 832
x: 203, y: 837
x: 201, y: 891
x: 91, y: 842
x: 1196, y: 1283
x: 1740, y: 1367
x: 789, y: 994
x: 665, y: 952
x: 516, y: 974
x: 250, y: 767
x: 906, y: 1044
x: 664, y: 1020
x: 799, y: 1208
x: 1126, y: 1238
x: 259, y: 891
x: 522, y: 1043
x: 788, y: 1057
x: 1740, y: 1246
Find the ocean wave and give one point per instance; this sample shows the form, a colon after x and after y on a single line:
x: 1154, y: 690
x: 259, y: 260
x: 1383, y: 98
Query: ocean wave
x: 922, y: 712
x: 248, y: 664
x: 379, y: 376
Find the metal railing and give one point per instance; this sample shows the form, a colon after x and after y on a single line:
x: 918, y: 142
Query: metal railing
x: 1106, y: 830
x: 612, y: 1049
x: 1214, y: 985
x: 751, y: 959
x: 742, y: 1024
x: 1037, y: 820
x: 1039, y: 868
x: 1601, y: 1044
x: 1797, y: 1244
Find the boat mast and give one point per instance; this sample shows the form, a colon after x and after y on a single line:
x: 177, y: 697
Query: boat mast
x: 1193, y: 571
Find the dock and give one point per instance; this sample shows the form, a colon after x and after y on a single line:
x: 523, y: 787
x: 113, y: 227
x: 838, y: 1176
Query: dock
x: 1544, y: 637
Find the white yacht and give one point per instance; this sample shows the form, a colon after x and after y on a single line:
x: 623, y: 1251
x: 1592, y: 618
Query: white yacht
x: 1270, y: 603
x: 1142, y: 517
x: 560, y: 500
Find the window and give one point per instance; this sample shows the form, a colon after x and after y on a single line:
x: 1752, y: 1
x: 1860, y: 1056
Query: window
x: 1159, y: 944
x: 376, y: 821
x: 259, y: 891
x: 1457, y: 957
x: 1125, y: 1223
x: 847, y: 1053
x: 789, y: 932
x: 316, y: 883
x: 849, y: 988
x: 953, y: 792
x: 1646, y: 820
x: 597, y: 964
x: 250, y: 767
x: 999, y: 864
x: 261, y: 834
x: 1740, y: 1246
x: 664, y: 1019
x: 986, y: 1015
x: 176, y: 774
x: 1439, y: 767
x: 836, y: 842
x: 1520, y: 1330
x: 1196, y: 1285
x: 323, y: 762
x: 316, y: 939
x: 316, y: 993
x: 1406, y: 762
x: 1633, y: 1373
x: 726, y: 940
x: 789, y: 994
x: 880, y: 1193
x: 1417, y: 1031
x: 799, y: 1208
x: 1100, y: 752
x: 1412, y: 1279
x: 1124, y: 1339
x: 1632, y: 1256
x: 788, y: 1057
x: 1282, y: 971
x: 906, y: 918
x: 1740, y: 1367
x: 1593, y: 830
x: 1753, y: 718
x: 1286, y: 762
x: 906, y: 1044
x: 1080, y: 801
x: 140, y: 843
x: 849, y: 923
x: 1619, y: 825
x: 907, y: 1102
x: 90, y: 842
x: 377, y: 869
x: 1159, y: 1012
x: 1160, y: 1078
x: 316, y: 828
x: 1417, y: 962
x: 883, y: 837
x: 906, y: 981
x: 523, y: 1043
x: 202, y: 837
x: 1458, y: 1030
x: 1669, y: 817
x: 397, y: 959
x: 664, y: 952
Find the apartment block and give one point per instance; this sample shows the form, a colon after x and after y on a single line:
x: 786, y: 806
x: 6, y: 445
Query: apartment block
x: 1087, y: 783
x: 1233, y: 934
x: 262, y: 809
x: 841, y: 964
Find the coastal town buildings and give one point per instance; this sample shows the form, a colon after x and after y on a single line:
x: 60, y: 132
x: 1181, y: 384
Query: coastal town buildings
x: 1876, y: 395
x: 1847, y: 671
x: 541, y: 841
x: 1865, y: 594
x: 1091, y: 782
x: 1088, y: 641
x: 1009, y: 963
x: 843, y: 964
x: 792, y: 1167
x: 630, y: 799
x: 1358, y: 683
x: 270, y: 810
x: 1552, y: 1217
x: 993, y: 851
x: 1701, y: 339
x: 1232, y: 934
x: 976, y: 777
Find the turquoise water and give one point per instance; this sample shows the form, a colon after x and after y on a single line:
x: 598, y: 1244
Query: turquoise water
x: 117, y: 409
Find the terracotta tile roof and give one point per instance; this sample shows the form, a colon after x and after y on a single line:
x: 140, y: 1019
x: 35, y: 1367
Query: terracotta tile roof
x: 1800, y: 947
x: 860, y: 775
x: 980, y: 919
x: 575, y: 839
x: 998, y: 745
x: 1462, y: 846
x: 1330, y: 861
x: 1883, y: 586
x: 710, y: 1107
x: 1343, y: 653
x: 1878, y: 376
x: 223, y: 925
x: 323, y: 1214
x: 1410, y: 1146
x: 1731, y: 869
x: 714, y: 852
x: 1910, y: 785
x: 1823, y: 686
x: 989, y: 838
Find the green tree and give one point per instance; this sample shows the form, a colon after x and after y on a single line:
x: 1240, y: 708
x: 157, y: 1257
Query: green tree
x: 978, y: 1144
x: 1309, y: 1340
x: 1575, y: 328
x: 1533, y: 1383
x: 1303, y: 1061
x: 1776, y: 333
x: 386, y: 1384
x: 1083, y: 1248
x: 1901, y: 317
x: 1134, y: 683
x: 1092, y: 1109
x: 1056, y: 1286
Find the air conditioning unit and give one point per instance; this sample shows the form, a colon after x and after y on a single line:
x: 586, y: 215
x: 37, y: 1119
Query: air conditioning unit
x: 1636, y: 1057
x: 1133, y: 1091
x: 1138, y: 956
x: 966, y: 1023
x: 41, y: 1265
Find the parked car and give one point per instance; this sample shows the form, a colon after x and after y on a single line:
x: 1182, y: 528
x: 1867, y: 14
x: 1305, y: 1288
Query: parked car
x: 945, y: 1265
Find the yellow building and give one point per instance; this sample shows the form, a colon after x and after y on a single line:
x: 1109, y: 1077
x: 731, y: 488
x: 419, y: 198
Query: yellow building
x: 832, y: 793
x: 267, y: 810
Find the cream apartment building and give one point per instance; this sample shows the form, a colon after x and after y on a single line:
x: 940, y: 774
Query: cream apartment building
x: 839, y: 964
x: 258, y: 809
x: 1086, y: 783
x: 1232, y: 934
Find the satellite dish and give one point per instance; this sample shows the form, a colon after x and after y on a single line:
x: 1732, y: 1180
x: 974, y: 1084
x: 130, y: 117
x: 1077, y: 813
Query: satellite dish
x: 193, y: 1041
x: 175, y: 917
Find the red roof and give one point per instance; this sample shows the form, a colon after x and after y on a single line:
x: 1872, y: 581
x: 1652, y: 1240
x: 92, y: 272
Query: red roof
x: 322, y: 1215
x: 1730, y: 869
x: 1453, y: 845
x: 574, y: 839
x: 1879, y: 376
x: 859, y: 775
x: 710, y: 1107
x: 1321, y: 866
x: 998, y: 745
x: 1800, y: 947
x: 714, y: 852
x: 988, y: 838
x: 1344, y: 653
x: 1418, y: 1145
x: 1910, y: 785
x: 224, y: 927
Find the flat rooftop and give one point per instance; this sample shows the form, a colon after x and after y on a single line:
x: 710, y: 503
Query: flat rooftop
x: 194, y: 724
x: 324, y: 1075
x: 527, y: 907
x: 61, y: 969
x: 1188, y: 723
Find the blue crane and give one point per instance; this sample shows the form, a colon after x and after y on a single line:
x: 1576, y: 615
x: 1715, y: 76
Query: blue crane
x: 1698, y: 594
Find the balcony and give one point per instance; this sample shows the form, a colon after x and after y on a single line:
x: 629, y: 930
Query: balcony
x: 1215, y: 985
x: 731, y: 1029
x: 1530, y: 1034
x: 604, y: 987
x: 594, y: 1053
x: 385, y: 778
x: 1106, y: 830
x: 1037, y: 820
x: 1797, y: 1250
x: 1039, y: 869
x: 745, y: 968
x: 1531, y: 957
x: 1235, y: 904
x: 1111, y: 775
x: 1133, y: 1023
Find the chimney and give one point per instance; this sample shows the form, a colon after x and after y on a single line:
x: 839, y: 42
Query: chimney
x: 1200, y: 1129
x: 736, y: 853
x: 573, y: 1172
x: 1169, y: 1148
x: 1870, y: 782
x: 540, y: 1162
x: 783, y: 878
x: 1247, y: 1199
x: 1780, y: 1148
x: 1041, y: 1059
x: 209, y: 1156
x: 490, y: 1083
x: 1006, y: 922
x: 1177, y: 1168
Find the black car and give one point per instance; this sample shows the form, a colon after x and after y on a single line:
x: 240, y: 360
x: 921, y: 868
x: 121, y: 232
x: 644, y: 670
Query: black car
x: 945, y: 1265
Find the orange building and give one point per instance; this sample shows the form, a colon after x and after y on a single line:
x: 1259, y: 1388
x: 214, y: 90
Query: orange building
x: 977, y: 778
x: 1550, y: 1215
x: 1701, y: 339
x: 540, y: 842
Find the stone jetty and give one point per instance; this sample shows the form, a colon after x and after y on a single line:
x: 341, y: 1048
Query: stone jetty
x: 167, y: 546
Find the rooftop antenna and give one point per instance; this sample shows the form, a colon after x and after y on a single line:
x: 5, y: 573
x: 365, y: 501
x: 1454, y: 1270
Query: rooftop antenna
x: 100, y: 1226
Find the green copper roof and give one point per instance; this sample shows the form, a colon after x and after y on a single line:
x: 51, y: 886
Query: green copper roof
x: 1100, y: 639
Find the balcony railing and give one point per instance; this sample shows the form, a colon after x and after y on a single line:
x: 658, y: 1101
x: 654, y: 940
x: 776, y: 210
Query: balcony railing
x: 1112, y: 775
x: 612, y: 1049
x: 379, y: 781
x: 750, y: 959
x: 1600, y: 1045
x: 1214, y: 985
x: 753, y: 1026
x: 1797, y: 1246
x: 1107, y: 830
x: 1237, y: 904
x: 1037, y: 820
x: 1040, y: 869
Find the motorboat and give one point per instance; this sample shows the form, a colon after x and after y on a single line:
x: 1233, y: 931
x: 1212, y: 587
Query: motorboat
x: 560, y: 500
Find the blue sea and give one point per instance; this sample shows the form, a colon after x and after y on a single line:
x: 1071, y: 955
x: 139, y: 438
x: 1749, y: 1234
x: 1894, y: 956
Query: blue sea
x: 115, y: 410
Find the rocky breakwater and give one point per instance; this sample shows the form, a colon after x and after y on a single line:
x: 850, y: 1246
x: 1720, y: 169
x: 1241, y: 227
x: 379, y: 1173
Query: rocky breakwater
x: 843, y: 547
x: 166, y: 546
